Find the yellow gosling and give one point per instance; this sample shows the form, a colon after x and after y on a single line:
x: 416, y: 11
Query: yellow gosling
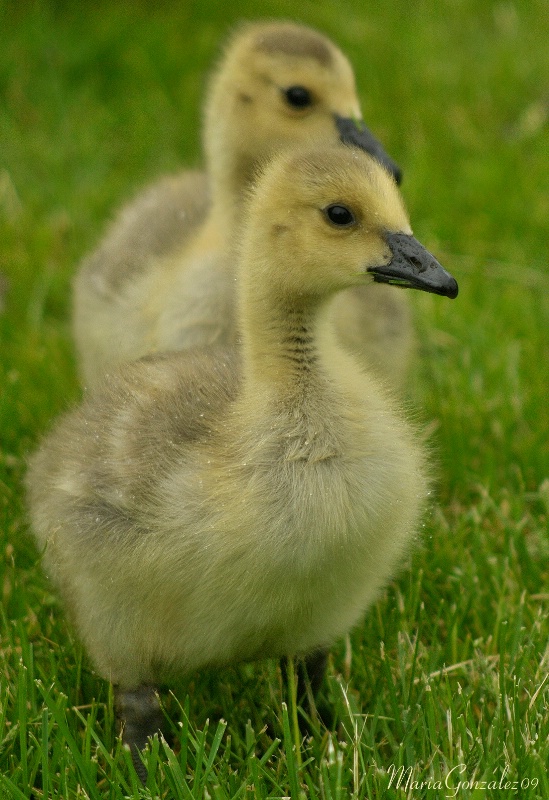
x: 163, y: 277
x: 217, y: 505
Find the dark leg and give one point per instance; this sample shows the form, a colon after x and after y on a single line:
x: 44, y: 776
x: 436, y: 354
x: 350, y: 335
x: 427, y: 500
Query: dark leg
x: 313, y: 668
x: 310, y: 673
x: 140, y: 715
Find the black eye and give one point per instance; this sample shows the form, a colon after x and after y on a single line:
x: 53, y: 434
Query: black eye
x: 298, y: 96
x: 340, y: 215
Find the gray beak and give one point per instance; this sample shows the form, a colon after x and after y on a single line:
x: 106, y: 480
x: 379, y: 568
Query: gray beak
x: 356, y: 134
x: 413, y: 267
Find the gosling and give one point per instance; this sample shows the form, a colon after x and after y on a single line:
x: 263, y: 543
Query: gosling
x: 226, y: 504
x: 163, y: 279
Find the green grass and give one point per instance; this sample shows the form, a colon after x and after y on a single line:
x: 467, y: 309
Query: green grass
x: 448, y: 673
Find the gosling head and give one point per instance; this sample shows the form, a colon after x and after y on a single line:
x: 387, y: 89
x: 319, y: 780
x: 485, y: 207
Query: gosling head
x: 281, y: 84
x: 333, y: 218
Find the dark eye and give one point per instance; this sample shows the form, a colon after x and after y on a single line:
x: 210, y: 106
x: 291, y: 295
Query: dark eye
x: 340, y: 215
x: 298, y: 96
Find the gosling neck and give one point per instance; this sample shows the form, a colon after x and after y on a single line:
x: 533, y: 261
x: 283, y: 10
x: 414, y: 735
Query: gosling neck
x: 230, y: 181
x: 283, y: 339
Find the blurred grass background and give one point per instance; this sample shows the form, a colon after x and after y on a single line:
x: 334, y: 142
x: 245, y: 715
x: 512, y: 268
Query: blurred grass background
x: 450, y: 666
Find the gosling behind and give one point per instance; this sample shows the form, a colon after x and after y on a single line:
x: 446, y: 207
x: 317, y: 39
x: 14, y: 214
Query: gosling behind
x: 163, y: 279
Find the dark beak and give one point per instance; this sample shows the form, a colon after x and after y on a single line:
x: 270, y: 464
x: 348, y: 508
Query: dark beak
x: 356, y: 134
x: 413, y: 267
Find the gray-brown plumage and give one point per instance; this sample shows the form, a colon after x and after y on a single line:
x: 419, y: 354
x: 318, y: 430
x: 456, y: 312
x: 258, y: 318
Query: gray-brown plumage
x: 217, y: 505
x: 163, y: 277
